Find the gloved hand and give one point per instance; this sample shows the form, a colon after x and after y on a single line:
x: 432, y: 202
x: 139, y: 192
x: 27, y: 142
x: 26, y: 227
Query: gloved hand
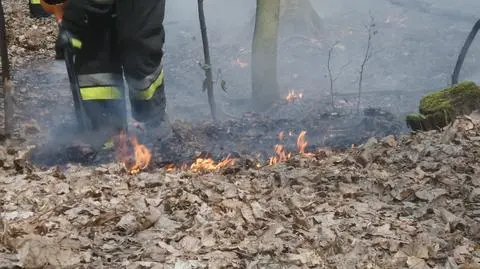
x: 66, y: 40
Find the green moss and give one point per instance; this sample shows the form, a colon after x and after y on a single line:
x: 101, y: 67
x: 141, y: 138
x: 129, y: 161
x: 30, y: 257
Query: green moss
x: 439, y: 108
x: 447, y: 99
x: 415, y: 116
x: 417, y: 122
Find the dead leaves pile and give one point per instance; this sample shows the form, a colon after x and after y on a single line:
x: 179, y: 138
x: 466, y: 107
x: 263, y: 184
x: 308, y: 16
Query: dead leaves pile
x: 28, y: 38
x: 410, y: 202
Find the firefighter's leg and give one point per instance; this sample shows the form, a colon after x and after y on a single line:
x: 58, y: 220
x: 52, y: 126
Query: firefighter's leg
x: 141, y: 37
x: 36, y: 10
x: 99, y: 73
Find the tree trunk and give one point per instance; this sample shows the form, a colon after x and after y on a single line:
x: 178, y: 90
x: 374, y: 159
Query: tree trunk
x: 299, y: 17
x: 264, y: 55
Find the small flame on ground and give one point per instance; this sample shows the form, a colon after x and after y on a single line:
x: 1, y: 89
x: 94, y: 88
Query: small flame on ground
x: 170, y: 167
x: 201, y: 165
x: 209, y: 165
x: 141, y: 154
x: 282, y: 155
x: 240, y: 63
x: 301, y: 142
x: 293, y: 95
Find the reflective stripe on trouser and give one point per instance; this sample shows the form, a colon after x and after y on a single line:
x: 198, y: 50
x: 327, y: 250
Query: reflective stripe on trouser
x: 101, y: 86
x: 147, y: 93
x: 103, y: 97
x: 36, y: 10
x: 147, y: 97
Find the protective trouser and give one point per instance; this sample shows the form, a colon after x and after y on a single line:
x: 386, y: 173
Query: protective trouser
x: 36, y: 10
x: 124, y: 38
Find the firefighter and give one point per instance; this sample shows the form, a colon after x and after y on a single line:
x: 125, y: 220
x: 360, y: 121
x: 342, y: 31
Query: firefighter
x: 115, y: 40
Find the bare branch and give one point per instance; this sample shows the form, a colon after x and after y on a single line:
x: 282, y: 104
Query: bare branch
x: 332, y: 78
x: 371, y: 30
x: 340, y: 71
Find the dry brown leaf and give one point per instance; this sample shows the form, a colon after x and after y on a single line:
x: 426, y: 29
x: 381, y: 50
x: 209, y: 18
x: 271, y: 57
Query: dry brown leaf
x: 460, y: 253
x: 36, y: 252
x: 247, y: 213
x: 257, y: 210
x: 128, y: 223
x: 168, y: 248
x: 190, y: 244
x: 430, y: 194
x: 422, y: 252
x: 416, y: 263
x: 309, y: 258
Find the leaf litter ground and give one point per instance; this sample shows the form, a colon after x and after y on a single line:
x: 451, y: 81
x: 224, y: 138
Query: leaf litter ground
x: 411, y: 202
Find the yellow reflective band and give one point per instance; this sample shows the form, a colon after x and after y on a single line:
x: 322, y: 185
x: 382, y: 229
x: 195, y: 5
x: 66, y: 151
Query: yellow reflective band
x: 148, y: 93
x: 108, y: 145
x: 76, y: 43
x: 100, y: 93
x: 35, y: 2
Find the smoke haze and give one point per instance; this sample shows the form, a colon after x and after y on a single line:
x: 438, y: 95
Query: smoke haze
x: 415, y: 48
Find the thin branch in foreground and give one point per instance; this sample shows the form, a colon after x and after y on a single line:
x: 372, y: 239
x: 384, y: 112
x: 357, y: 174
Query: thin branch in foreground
x: 208, y: 82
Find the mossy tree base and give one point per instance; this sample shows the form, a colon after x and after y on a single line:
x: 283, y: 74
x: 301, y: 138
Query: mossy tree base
x: 438, y: 109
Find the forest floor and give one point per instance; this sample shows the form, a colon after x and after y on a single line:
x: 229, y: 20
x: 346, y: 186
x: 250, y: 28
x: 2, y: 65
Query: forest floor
x: 348, y: 190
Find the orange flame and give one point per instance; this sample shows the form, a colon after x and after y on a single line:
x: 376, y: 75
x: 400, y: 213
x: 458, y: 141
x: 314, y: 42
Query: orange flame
x: 292, y: 96
x: 282, y: 156
x: 170, y: 167
x: 302, y: 142
x: 209, y: 165
x: 241, y: 63
x: 141, y: 154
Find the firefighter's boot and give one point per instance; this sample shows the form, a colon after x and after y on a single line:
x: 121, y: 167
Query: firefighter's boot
x: 149, y: 107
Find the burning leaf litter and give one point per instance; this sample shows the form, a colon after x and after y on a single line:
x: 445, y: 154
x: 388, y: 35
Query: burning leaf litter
x: 293, y: 95
x: 133, y: 155
x: 240, y: 63
x: 282, y: 155
x: 209, y: 165
x: 136, y: 157
x: 394, y: 202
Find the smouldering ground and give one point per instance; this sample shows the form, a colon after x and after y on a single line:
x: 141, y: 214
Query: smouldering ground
x: 411, y: 202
